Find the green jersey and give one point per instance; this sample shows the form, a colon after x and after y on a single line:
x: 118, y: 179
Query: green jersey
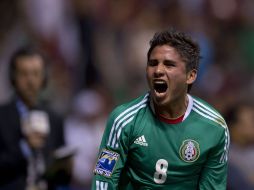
x: 141, y: 151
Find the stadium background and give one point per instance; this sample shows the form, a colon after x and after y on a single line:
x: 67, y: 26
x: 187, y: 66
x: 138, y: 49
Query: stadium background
x: 102, y: 45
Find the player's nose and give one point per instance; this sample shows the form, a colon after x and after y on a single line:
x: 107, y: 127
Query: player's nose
x: 159, y: 70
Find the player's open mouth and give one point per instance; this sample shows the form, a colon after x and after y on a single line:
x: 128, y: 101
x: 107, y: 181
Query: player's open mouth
x: 160, y: 86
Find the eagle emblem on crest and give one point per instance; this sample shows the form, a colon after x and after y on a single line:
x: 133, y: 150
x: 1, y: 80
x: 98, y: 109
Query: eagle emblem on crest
x: 189, y: 150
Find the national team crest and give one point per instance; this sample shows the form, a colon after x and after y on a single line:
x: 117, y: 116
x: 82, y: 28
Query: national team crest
x: 106, y: 163
x: 189, y: 150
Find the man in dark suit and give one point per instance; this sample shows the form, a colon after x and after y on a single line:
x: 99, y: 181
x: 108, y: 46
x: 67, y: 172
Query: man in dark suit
x: 29, y: 132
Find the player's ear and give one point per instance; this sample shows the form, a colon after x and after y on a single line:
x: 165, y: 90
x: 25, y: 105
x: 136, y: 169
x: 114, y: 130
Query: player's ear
x: 191, y: 76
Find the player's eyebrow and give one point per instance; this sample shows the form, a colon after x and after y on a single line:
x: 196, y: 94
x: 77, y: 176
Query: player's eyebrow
x: 169, y: 62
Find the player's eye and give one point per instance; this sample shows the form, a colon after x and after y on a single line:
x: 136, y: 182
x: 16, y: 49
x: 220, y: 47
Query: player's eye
x: 169, y: 63
x: 152, y: 63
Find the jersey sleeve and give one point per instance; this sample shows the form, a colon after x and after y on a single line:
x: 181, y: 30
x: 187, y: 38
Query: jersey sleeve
x: 214, y: 173
x: 113, y: 152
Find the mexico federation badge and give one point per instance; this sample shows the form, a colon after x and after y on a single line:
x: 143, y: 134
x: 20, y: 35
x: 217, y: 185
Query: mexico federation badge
x: 189, y: 150
x: 106, y: 163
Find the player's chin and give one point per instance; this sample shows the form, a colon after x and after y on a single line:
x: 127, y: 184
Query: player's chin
x: 160, y: 95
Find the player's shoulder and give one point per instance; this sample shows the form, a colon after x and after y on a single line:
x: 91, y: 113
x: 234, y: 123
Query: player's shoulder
x: 207, y: 112
x: 132, y: 107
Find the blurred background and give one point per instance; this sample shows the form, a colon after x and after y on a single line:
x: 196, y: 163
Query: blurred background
x: 98, y: 57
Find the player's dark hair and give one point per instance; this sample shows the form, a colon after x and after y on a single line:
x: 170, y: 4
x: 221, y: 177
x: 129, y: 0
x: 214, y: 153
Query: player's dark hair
x: 188, y: 49
x: 26, y: 51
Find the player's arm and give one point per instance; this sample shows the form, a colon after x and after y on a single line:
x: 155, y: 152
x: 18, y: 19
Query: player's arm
x: 113, y: 153
x: 214, y: 173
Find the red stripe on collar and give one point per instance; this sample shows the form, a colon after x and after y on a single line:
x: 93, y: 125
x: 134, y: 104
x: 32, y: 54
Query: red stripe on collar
x: 171, y: 121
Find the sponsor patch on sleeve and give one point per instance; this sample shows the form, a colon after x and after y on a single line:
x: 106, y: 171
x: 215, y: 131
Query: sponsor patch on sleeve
x: 106, y: 163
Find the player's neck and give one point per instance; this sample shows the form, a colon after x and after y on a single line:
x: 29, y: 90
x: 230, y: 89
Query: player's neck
x: 174, y: 110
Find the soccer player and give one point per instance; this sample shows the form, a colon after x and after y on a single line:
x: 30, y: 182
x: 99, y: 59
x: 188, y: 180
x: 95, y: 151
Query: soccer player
x: 165, y: 139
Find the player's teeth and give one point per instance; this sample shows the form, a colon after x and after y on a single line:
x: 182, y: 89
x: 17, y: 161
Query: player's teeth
x: 159, y: 82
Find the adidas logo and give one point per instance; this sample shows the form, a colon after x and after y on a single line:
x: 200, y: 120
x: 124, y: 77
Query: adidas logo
x: 141, y: 141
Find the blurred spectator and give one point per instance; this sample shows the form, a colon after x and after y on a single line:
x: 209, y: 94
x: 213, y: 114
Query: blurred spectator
x: 59, y: 173
x: 29, y: 131
x: 83, y: 131
x: 241, y: 154
x: 52, y: 25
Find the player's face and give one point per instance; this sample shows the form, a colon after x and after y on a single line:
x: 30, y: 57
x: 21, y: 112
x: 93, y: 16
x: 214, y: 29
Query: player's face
x: 167, y: 76
x: 29, y: 77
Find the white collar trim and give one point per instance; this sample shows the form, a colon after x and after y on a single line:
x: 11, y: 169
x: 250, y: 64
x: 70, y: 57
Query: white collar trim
x: 188, y: 110
x: 189, y: 107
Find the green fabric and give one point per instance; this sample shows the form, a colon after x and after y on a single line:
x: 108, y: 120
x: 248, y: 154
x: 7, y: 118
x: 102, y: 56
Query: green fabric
x: 152, y: 152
